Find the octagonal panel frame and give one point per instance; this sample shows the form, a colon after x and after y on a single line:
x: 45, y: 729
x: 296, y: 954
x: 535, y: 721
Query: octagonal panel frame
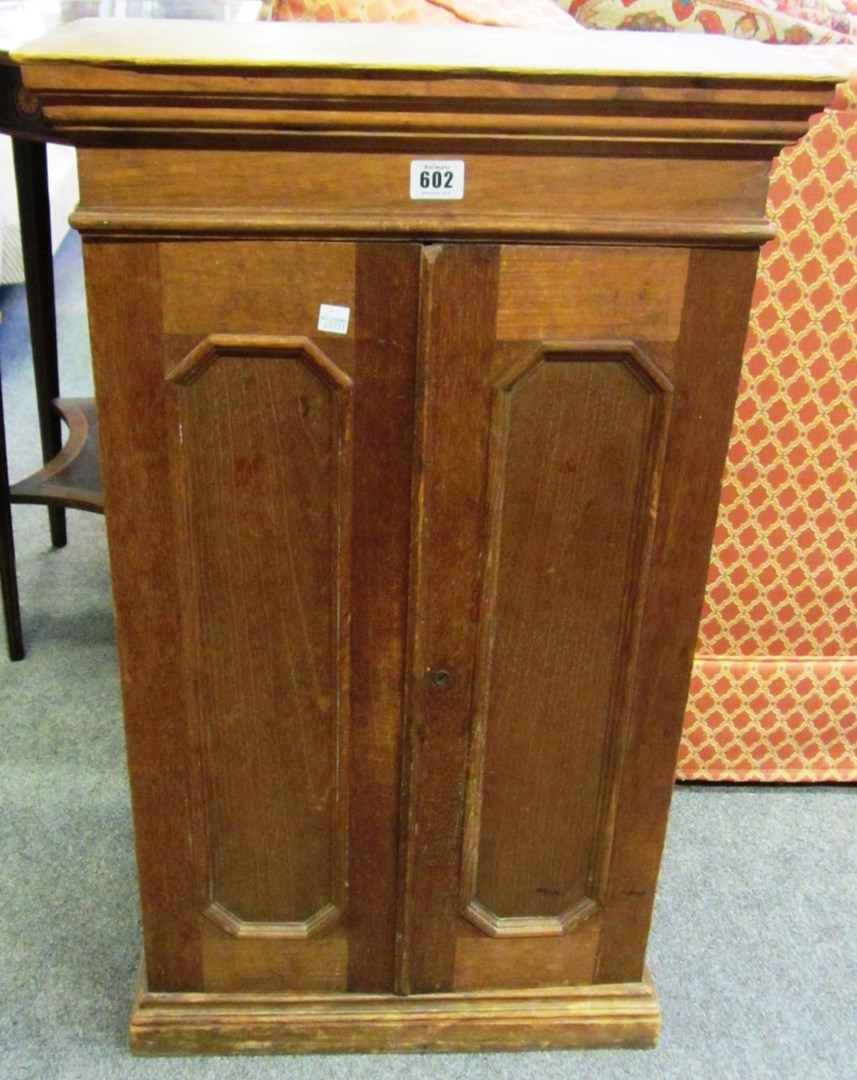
x: 642, y: 367
x: 195, y: 363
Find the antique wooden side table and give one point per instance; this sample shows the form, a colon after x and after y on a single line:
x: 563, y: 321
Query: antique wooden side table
x: 416, y: 354
x: 70, y: 477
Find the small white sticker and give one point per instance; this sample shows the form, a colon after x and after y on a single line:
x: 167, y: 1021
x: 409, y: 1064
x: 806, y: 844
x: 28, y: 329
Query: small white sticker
x: 333, y: 319
x: 437, y: 179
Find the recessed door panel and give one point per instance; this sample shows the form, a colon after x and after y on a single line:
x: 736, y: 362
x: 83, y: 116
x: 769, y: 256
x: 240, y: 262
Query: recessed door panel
x: 537, y: 501
x: 264, y: 430
x: 260, y: 476
x: 577, y: 436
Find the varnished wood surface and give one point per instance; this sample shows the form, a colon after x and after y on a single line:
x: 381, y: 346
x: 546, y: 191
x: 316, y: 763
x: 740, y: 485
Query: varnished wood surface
x: 162, y: 749
x: 485, y: 963
x: 20, y: 112
x: 73, y: 477
x: 242, y: 281
x: 437, y: 950
x: 534, y: 501
x: 704, y: 367
x: 386, y: 320
x: 453, y: 409
x: 567, y: 540
x: 634, y: 294
x: 222, y: 1023
x: 679, y: 201
x: 321, y: 87
x: 264, y: 434
x: 406, y: 613
x: 262, y: 965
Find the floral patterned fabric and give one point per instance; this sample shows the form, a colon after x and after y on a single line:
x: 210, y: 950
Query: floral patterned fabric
x: 536, y: 14
x: 786, y: 22
x: 794, y: 22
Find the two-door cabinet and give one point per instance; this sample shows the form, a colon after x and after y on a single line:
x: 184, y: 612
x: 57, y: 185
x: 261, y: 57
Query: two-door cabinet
x: 416, y: 353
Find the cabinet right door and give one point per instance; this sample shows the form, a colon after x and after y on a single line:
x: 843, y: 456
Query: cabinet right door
x: 574, y: 407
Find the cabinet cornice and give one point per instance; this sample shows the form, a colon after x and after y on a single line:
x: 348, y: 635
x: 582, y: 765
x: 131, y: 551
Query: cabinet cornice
x: 404, y: 87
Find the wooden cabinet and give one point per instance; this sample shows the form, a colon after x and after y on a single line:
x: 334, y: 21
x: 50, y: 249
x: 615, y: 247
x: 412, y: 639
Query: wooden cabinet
x: 406, y: 607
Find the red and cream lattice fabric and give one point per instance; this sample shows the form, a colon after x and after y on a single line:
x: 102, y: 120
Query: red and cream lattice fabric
x: 774, y: 691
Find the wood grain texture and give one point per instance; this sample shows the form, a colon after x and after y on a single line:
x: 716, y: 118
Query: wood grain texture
x: 73, y: 477
x: 264, y: 434
x: 255, y: 965
x: 578, y: 434
x: 202, y: 97
x: 597, y: 294
x: 223, y: 1023
x: 705, y: 366
x: 154, y: 191
x: 386, y: 323
x: 453, y: 409
x: 318, y: 924
x: 141, y: 534
x: 244, y: 288
x: 485, y: 963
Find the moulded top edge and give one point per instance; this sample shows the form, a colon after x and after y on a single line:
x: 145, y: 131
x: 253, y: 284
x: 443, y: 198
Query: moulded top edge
x: 151, y: 43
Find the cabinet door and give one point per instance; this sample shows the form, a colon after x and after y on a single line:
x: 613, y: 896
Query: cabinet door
x: 573, y: 416
x: 258, y: 481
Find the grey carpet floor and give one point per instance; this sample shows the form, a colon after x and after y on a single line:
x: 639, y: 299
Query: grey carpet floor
x: 754, y: 946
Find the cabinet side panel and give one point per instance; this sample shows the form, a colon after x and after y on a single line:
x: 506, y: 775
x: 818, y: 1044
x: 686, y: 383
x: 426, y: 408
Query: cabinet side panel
x: 124, y: 298
x: 706, y: 367
x: 264, y: 453
x: 574, y: 476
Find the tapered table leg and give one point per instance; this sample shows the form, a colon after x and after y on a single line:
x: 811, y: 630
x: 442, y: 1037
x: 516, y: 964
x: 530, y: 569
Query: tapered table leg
x: 31, y: 178
x: 8, y: 579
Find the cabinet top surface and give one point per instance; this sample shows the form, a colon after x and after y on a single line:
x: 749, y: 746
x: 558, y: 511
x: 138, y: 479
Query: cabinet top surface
x: 146, y: 44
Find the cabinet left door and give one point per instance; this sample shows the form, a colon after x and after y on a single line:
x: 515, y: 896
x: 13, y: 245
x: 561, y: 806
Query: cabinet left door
x: 257, y: 474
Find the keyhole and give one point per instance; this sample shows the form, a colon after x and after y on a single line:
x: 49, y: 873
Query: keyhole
x: 440, y: 679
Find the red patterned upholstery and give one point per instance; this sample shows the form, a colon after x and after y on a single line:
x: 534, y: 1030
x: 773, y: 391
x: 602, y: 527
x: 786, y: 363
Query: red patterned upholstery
x: 774, y: 692
x: 792, y: 22
x: 538, y: 14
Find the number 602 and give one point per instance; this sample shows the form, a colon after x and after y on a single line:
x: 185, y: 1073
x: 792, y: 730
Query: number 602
x: 437, y: 179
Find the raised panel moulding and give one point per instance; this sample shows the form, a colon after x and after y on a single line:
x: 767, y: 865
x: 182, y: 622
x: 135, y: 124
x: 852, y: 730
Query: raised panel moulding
x: 237, y: 928
x: 546, y: 752
x: 582, y: 110
x: 568, y: 88
x: 264, y: 571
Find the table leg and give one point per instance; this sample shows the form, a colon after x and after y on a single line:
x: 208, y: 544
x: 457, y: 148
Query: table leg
x: 8, y: 578
x: 31, y: 178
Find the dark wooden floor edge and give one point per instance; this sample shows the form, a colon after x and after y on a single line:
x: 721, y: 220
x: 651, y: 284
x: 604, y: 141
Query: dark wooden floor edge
x: 624, y: 1015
